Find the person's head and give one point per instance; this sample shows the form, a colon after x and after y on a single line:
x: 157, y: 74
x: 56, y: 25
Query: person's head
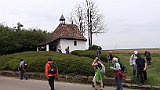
x: 21, y: 60
x: 50, y: 60
x: 110, y: 51
x: 135, y: 52
x: 97, y: 59
x: 115, y: 60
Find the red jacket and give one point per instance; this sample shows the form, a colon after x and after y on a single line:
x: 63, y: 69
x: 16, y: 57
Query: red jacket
x: 120, y: 72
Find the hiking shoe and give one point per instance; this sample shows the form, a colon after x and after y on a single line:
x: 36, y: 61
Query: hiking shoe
x: 93, y: 85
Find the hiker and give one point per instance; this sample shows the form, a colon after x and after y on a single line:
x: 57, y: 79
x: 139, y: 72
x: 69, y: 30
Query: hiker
x: 99, y: 73
x: 133, y: 63
x: 98, y: 52
x: 141, y: 68
x: 51, y: 71
x: 67, y: 50
x: 59, y: 49
x: 118, y: 74
x: 148, y: 58
x: 22, y: 69
x: 110, y: 57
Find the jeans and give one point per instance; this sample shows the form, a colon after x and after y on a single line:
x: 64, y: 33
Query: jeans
x: 110, y: 62
x: 134, y: 69
x: 21, y: 74
x: 51, y: 82
x: 142, y: 75
x: 118, y: 81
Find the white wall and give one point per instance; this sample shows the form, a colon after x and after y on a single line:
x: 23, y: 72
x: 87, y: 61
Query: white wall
x: 64, y: 43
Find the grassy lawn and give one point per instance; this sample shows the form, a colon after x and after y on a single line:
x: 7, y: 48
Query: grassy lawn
x: 153, y: 70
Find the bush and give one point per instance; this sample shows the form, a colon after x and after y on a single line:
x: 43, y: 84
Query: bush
x: 89, y: 53
x: 94, y: 47
x: 67, y: 64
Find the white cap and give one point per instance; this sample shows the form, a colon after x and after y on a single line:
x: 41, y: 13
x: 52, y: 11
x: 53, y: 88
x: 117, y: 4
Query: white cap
x: 135, y: 52
x: 115, y: 59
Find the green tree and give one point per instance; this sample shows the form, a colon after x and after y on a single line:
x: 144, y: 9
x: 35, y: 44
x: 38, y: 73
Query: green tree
x: 12, y: 40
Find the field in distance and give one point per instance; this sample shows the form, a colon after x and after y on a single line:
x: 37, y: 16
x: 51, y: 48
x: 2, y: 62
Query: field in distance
x: 154, y: 50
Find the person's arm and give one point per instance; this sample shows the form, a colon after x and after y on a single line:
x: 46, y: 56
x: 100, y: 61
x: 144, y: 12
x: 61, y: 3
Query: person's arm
x: 46, y: 71
x: 116, y: 67
x: 108, y: 56
x: 145, y: 67
x: 94, y: 63
x: 131, y: 60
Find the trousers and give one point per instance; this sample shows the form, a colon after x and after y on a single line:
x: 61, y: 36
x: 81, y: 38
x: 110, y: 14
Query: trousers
x: 142, y: 75
x: 51, y: 82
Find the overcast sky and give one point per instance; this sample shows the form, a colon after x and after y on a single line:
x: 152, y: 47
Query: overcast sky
x: 131, y: 23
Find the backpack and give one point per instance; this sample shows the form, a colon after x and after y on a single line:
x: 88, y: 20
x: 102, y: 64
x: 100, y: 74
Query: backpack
x: 102, y: 67
x: 123, y: 68
x: 147, y: 55
x: 25, y: 65
x: 53, y: 69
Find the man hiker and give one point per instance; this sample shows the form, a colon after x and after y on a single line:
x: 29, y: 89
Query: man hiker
x: 133, y: 63
x: 67, y: 50
x: 22, y: 69
x: 51, y: 71
x: 110, y: 57
x: 59, y: 49
x: 98, y: 52
x: 147, y: 55
x: 141, y: 68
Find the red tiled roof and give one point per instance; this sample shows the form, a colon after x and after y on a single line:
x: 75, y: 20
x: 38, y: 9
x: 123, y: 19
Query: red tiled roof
x: 65, y: 31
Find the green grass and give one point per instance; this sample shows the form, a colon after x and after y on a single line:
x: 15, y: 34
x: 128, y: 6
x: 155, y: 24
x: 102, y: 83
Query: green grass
x: 153, y: 70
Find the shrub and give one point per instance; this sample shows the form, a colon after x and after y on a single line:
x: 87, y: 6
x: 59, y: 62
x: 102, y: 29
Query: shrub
x: 89, y: 53
x: 94, y: 47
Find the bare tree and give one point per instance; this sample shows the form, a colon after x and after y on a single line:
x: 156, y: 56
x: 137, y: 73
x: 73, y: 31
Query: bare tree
x: 86, y: 15
x: 77, y: 16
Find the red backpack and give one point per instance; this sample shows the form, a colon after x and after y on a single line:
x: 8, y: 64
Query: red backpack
x: 25, y: 65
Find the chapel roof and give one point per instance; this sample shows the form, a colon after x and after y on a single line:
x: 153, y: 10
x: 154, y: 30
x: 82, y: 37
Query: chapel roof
x: 65, y: 31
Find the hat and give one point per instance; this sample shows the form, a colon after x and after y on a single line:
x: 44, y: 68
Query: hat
x: 96, y: 58
x: 135, y: 52
x: 115, y: 59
